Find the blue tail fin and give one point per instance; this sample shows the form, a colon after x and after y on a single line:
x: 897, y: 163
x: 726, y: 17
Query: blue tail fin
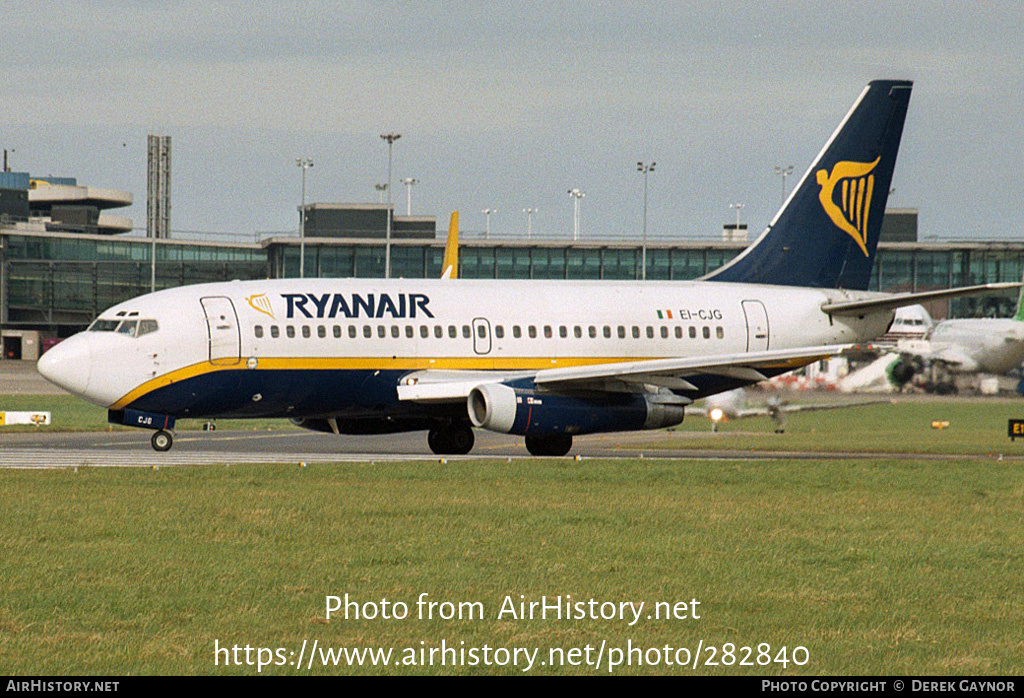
x: 826, y: 233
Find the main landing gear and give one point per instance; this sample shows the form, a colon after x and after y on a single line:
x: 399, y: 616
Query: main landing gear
x: 551, y: 445
x: 162, y: 440
x: 451, y: 439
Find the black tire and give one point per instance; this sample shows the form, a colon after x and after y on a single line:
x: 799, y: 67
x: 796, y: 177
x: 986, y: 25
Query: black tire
x: 454, y: 440
x: 553, y: 445
x: 162, y: 441
x: 434, y: 441
x: 460, y: 440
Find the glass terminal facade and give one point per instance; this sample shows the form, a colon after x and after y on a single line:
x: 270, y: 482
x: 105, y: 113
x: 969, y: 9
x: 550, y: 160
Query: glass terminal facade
x: 58, y: 283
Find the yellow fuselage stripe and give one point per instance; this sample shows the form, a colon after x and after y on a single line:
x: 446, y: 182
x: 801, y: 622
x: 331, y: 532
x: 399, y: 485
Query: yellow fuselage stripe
x: 377, y: 363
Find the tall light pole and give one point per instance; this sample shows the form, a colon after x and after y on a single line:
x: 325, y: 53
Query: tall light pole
x: 304, y: 164
x: 785, y: 172
x: 576, y: 195
x: 390, y: 138
x: 529, y: 221
x: 737, y: 207
x: 409, y: 182
x: 644, y: 169
x: 487, y: 212
x: 381, y: 188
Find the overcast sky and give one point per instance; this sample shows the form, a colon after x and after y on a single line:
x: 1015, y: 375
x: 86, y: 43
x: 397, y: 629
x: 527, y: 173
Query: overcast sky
x: 509, y: 105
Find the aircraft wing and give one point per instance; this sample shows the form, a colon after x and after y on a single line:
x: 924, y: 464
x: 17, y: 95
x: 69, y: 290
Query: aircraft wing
x: 951, y: 355
x: 625, y: 376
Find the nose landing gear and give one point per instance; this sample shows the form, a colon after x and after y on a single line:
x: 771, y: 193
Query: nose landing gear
x: 162, y: 441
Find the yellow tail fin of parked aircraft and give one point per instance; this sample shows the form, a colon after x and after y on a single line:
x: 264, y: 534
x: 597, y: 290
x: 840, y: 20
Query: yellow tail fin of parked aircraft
x: 450, y: 265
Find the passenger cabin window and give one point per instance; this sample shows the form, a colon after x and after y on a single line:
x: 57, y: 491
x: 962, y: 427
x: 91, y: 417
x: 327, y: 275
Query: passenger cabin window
x: 650, y: 332
x: 693, y: 333
x: 352, y: 331
x: 466, y: 332
x: 290, y: 331
x: 438, y: 331
x: 499, y: 331
x: 452, y: 332
x: 275, y: 331
x: 679, y: 332
x: 517, y: 332
x: 593, y: 332
x: 367, y: 332
x: 424, y: 331
x: 408, y: 332
x: 720, y: 332
x: 381, y: 331
x: 481, y: 332
x: 337, y: 331
x: 532, y: 331
x: 321, y: 331
x: 562, y: 331
x: 259, y: 331
x: 636, y: 332
x: 547, y: 332
x: 305, y: 331
x: 607, y: 332
x: 664, y: 332
x: 394, y: 331
x: 707, y: 332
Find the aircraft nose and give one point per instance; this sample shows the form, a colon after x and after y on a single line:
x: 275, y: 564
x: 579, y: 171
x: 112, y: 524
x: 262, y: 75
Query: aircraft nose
x: 68, y: 364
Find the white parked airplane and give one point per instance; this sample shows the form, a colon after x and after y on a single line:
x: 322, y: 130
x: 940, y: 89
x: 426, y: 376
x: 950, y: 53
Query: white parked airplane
x: 737, y: 404
x: 542, y: 359
x: 963, y: 346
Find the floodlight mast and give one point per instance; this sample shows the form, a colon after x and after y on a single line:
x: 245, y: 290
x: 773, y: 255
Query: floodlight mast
x: 304, y: 163
x: 390, y: 138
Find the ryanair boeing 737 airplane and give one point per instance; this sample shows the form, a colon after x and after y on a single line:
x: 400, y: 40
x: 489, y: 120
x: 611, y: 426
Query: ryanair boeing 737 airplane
x: 542, y: 359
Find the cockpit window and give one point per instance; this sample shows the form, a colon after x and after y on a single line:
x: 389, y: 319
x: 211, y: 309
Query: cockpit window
x: 104, y: 325
x: 128, y: 327
x: 131, y: 328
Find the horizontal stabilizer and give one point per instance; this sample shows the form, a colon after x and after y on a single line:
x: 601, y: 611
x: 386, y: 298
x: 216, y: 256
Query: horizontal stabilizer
x: 900, y: 300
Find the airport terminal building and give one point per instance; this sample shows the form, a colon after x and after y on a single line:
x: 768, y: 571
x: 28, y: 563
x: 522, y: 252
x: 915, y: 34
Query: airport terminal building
x: 55, y: 277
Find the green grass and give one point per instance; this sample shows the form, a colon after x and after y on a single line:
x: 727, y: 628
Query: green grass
x: 877, y: 567
x: 975, y: 427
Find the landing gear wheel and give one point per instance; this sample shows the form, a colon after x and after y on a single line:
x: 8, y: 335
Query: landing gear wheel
x: 162, y: 441
x: 460, y: 440
x: 451, y: 440
x: 553, y: 445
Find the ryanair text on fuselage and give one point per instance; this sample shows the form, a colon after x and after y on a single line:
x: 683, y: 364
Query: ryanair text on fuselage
x: 370, y: 305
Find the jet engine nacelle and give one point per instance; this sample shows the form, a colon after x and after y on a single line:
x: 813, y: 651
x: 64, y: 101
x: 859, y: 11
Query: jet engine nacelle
x: 502, y: 408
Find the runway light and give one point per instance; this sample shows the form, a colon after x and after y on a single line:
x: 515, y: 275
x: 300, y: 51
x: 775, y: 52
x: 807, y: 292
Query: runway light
x: 716, y: 414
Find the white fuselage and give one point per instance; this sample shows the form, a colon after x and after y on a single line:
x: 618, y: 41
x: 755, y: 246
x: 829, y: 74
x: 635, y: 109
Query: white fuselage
x: 371, y: 326
x: 986, y: 345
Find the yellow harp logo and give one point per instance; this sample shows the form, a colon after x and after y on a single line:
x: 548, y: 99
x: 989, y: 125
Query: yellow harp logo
x: 856, y: 184
x: 261, y: 303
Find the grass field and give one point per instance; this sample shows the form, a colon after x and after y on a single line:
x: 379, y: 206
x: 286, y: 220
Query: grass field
x: 876, y: 567
x: 976, y: 426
